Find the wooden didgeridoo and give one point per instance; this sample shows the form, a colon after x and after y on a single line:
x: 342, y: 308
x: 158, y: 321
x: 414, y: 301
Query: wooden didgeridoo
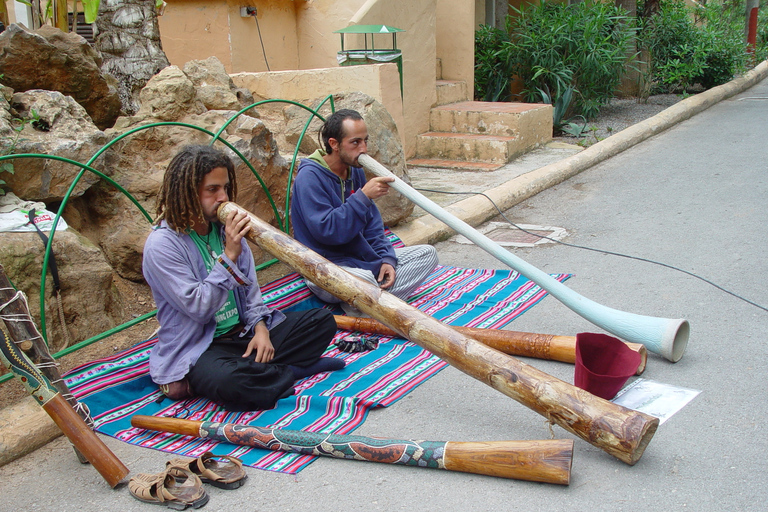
x: 514, y: 343
x: 65, y: 417
x: 619, y: 431
x: 535, y: 461
x: 22, y: 330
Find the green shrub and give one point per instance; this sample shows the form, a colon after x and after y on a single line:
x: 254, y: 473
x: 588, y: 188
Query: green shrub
x: 685, y: 50
x: 583, y: 46
x: 493, y: 70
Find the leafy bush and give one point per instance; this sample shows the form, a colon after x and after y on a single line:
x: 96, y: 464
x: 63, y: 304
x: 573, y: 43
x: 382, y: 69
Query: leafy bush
x: 493, y: 71
x: 560, y: 103
x: 554, y: 47
x: 685, y: 50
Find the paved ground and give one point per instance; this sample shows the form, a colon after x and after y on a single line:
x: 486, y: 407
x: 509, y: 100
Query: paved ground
x: 693, y: 197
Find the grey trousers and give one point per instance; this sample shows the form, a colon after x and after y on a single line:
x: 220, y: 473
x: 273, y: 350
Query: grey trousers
x: 414, y: 264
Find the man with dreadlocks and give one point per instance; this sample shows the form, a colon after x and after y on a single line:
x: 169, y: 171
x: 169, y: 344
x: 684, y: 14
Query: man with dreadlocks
x: 217, y: 339
x: 333, y: 214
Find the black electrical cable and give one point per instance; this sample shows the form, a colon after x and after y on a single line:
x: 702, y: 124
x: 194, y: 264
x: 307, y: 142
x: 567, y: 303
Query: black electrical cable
x: 262, y: 42
x: 764, y: 308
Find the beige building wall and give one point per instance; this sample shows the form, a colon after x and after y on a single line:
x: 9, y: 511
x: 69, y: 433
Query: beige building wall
x: 380, y: 81
x: 455, y: 39
x: 298, y: 35
x: 418, y: 45
x: 198, y: 29
x: 315, y: 22
x: 318, y: 46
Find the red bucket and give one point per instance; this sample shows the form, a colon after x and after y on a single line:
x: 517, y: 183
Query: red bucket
x: 603, y: 364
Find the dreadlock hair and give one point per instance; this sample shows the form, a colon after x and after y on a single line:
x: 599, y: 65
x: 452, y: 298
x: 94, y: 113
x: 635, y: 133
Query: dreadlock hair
x: 178, y: 201
x: 333, y: 128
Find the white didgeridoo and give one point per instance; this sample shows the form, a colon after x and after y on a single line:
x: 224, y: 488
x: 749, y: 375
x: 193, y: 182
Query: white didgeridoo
x: 664, y: 336
x: 619, y: 431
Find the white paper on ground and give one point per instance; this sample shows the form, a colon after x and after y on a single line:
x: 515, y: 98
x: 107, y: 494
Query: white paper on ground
x: 654, y: 398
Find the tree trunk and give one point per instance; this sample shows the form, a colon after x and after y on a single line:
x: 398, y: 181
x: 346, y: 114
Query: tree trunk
x: 750, y: 4
x: 650, y: 8
x: 3, y: 14
x: 128, y: 37
x: 60, y: 15
x: 631, y: 81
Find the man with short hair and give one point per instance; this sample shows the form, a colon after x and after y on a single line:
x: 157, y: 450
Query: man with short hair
x: 217, y: 339
x: 333, y: 213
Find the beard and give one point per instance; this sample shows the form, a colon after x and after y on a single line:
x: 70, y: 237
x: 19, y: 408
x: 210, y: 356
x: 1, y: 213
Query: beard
x: 348, y: 159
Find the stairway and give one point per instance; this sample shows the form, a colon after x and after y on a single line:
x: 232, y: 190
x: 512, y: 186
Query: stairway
x: 477, y: 135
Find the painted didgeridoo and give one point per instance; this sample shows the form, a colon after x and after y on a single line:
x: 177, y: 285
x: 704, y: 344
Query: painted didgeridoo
x: 665, y: 336
x: 65, y: 417
x: 514, y: 343
x: 619, y: 431
x: 536, y: 461
x: 14, y: 312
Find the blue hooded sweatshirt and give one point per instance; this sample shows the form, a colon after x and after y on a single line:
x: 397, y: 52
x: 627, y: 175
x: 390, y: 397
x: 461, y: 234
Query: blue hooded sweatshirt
x: 334, y: 218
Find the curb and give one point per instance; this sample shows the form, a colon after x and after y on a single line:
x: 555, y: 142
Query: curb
x: 477, y: 209
x: 25, y: 426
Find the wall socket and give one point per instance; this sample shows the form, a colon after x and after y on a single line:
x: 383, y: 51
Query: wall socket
x: 246, y: 12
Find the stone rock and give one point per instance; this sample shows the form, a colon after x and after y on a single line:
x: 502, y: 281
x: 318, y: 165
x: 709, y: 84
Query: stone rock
x: 383, y: 145
x: 214, y: 86
x: 217, y: 98
x: 103, y: 214
x: 245, y: 97
x: 89, y: 298
x: 53, y: 124
x: 7, y: 132
x: 106, y: 216
x: 210, y: 72
x: 53, y: 60
x: 169, y: 96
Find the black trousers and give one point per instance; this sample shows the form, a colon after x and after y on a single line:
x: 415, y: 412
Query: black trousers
x: 221, y: 373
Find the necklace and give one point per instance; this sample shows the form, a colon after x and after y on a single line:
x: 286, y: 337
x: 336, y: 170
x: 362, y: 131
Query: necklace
x: 208, y: 242
x: 206, y: 239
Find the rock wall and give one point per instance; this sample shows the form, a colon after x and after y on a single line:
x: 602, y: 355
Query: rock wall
x: 89, y: 297
x: 53, y: 60
x: 107, y: 230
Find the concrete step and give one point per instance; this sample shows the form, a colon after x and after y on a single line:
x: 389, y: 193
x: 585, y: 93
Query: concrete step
x: 456, y: 165
x: 451, y: 91
x: 530, y: 120
x: 470, y: 147
x: 464, y: 134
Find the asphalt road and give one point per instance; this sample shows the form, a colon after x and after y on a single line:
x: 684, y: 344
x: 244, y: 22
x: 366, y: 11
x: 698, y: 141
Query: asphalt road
x: 693, y: 197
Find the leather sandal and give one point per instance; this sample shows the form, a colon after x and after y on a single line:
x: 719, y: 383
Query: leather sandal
x: 222, y: 471
x: 177, y: 487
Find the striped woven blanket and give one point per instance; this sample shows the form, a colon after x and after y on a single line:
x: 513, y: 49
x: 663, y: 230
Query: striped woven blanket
x: 117, y: 387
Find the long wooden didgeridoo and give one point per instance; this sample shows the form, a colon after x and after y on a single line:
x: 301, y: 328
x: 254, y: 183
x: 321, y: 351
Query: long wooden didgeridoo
x: 621, y: 432
x: 514, y: 343
x: 22, y: 330
x: 536, y: 461
x: 73, y: 426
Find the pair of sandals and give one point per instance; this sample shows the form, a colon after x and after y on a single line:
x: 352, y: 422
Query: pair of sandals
x: 181, y: 484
